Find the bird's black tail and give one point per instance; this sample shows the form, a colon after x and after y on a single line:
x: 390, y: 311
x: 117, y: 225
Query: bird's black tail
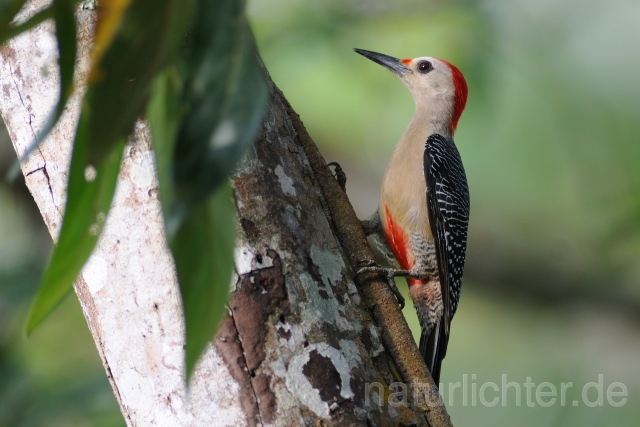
x: 433, y: 348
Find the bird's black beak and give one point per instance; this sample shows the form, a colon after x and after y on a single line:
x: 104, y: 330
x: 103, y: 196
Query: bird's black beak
x: 393, y: 64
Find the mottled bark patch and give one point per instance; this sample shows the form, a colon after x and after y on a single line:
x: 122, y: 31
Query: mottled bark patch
x: 250, y: 229
x: 314, y: 271
x: 365, y: 337
x: 324, y: 376
x: 260, y: 294
x: 268, y: 403
x: 230, y: 348
x: 7, y: 51
x: 283, y: 328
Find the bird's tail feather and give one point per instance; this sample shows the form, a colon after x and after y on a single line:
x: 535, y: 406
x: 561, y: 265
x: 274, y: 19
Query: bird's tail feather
x: 433, y: 349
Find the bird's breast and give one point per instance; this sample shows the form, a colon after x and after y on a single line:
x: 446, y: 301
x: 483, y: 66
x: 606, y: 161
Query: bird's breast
x: 404, y: 190
x: 403, y: 199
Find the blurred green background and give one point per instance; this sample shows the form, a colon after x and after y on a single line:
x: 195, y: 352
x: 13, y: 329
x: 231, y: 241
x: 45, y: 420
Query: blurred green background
x: 549, y: 141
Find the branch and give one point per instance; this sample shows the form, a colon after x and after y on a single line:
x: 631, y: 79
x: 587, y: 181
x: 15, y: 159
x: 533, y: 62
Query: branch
x: 397, y: 336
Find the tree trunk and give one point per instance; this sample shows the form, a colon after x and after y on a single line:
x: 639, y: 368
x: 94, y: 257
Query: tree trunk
x: 299, y: 345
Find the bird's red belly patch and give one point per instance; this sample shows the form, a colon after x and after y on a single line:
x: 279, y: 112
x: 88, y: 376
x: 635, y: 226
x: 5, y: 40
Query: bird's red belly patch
x: 398, y: 241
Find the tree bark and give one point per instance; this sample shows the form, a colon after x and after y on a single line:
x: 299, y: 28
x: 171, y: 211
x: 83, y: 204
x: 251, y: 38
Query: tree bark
x: 299, y: 345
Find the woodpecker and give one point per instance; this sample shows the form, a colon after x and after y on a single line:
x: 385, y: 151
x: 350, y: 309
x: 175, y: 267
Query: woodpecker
x: 422, y: 219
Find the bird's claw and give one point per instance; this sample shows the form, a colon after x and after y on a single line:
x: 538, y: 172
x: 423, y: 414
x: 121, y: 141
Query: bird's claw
x: 339, y: 175
x: 364, y: 263
x: 370, y: 266
x: 394, y: 288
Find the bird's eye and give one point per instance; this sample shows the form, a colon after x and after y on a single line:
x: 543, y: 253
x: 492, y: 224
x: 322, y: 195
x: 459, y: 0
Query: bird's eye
x: 424, y: 67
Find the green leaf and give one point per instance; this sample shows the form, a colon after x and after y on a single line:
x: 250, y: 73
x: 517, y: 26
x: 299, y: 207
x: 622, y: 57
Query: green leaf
x: 11, y: 31
x: 147, y: 38
x: 91, y: 188
x: 202, y: 244
x: 203, y: 251
x: 225, y: 97
x: 163, y: 115
x: 215, y: 117
x: 8, y: 10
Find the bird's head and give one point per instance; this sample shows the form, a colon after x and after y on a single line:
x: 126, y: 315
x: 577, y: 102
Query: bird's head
x: 434, y: 83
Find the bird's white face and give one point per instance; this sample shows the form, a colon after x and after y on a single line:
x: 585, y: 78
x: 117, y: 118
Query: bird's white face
x: 428, y: 79
x: 438, y: 87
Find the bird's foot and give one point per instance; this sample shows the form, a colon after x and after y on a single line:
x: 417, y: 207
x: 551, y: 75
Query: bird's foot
x: 370, y: 266
x: 339, y: 175
x: 372, y: 225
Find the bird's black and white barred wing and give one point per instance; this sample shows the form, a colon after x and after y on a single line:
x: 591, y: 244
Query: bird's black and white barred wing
x: 448, y: 208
